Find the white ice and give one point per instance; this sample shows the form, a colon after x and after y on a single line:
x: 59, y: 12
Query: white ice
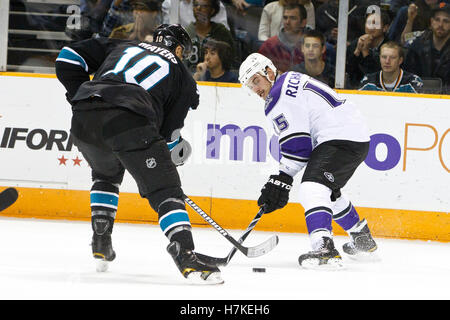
x: 48, y: 259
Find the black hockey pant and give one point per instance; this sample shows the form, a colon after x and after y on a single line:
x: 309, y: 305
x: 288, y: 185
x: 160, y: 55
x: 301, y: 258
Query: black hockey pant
x: 114, y: 139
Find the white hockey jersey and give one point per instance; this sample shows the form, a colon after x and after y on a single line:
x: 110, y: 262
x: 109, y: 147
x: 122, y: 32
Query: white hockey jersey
x: 304, y: 113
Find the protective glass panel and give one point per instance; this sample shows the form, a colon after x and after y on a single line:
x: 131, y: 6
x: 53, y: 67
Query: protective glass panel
x: 297, y: 35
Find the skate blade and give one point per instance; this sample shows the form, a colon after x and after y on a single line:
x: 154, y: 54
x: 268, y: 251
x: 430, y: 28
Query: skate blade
x: 331, y: 264
x: 198, y: 277
x: 362, y: 256
x: 101, y: 266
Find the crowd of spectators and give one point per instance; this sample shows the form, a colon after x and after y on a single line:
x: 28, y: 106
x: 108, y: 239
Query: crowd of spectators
x: 392, y: 45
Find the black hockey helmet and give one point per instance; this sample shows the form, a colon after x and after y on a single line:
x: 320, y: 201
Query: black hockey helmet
x: 173, y: 35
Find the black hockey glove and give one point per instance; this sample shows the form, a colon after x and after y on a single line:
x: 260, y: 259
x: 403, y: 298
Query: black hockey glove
x: 180, y: 149
x: 275, y: 193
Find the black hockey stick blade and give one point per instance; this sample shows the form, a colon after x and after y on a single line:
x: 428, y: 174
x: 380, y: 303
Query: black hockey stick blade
x: 253, y: 252
x: 8, y: 197
x: 247, y: 232
x: 250, y: 252
x: 225, y: 260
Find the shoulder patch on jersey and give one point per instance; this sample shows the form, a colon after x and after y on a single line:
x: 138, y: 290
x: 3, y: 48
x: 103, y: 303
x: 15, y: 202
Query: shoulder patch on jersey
x: 69, y: 55
x: 274, y: 94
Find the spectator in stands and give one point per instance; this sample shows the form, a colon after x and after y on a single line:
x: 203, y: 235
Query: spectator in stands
x: 203, y: 28
x: 411, y: 20
x: 314, y: 65
x: 363, y: 52
x: 429, y: 55
x: 217, y: 63
x: 244, y: 17
x: 285, y: 49
x: 243, y: 5
x: 147, y: 16
x: 327, y: 19
x: 120, y: 13
x: 395, y: 5
x: 183, y: 14
x: 272, y: 16
x: 391, y: 77
x: 92, y: 13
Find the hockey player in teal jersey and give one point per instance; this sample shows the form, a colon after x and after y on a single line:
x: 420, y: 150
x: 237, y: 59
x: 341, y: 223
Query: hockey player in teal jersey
x: 129, y: 118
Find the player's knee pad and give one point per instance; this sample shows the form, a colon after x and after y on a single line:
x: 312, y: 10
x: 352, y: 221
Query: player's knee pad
x: 341, y: 203
x: 313, y: 194
x: 156, y: 198
x: 315, y: 199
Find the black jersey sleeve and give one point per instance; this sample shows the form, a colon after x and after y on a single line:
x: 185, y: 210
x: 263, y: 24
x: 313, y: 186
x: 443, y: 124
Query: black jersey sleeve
x: 78, y: 60
x: 174, y: 118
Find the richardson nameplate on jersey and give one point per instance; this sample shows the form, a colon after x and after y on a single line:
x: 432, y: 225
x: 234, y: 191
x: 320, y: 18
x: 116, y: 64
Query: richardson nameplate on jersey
x: 292, y: 86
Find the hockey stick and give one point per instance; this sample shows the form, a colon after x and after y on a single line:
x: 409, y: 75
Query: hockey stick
x: 250, y: 252
x: 8, y: 197
x: 224, y: 261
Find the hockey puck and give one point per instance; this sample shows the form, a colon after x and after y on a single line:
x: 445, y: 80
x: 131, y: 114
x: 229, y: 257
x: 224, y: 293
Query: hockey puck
x: 259, y: 269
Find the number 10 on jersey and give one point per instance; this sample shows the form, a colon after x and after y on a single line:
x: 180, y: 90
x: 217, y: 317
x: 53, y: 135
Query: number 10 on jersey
x: 146, y: 72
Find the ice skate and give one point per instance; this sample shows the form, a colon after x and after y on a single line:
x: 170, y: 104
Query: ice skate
x: 325, y: 258
x: 101, y: 242
x: 363, y: 246
x: 191, y: 267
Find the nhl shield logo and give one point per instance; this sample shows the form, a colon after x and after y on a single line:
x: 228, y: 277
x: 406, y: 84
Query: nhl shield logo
x: 151, y: 163
x: 329, y: 176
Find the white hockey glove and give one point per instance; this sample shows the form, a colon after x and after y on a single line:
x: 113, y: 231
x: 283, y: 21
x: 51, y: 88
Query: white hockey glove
x: 180, y: 149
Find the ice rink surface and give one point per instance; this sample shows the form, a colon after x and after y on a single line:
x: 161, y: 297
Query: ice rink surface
x: 49, y: 259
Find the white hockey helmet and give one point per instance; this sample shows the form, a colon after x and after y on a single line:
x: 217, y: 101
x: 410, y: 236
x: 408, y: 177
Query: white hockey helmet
x: 255, y: 63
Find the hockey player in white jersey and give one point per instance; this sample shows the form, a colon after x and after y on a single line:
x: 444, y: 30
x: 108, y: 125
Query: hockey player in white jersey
x: 324, y: 134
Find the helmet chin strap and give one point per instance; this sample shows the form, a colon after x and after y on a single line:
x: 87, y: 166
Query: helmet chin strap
x: 266, y: 74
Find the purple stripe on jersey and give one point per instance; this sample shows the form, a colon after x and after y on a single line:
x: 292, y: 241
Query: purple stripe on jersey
x: 299, y: 146
x: 324, y: 94
x: 274, y: 94
x: 349, y: 220
x: 318, y: 220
